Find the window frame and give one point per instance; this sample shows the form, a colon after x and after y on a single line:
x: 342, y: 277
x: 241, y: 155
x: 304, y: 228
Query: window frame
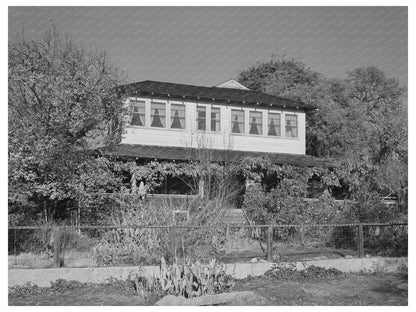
x: 199, y: 118
x: 132, y: 104
x: 215, y: 119
x: 243, y: 122
x: 259, y: 125
x: 171, y: 115
x: 280, y: 123
x: 164, y: 116
x: 297, y: 125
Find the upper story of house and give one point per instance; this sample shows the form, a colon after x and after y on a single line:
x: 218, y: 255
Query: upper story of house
x: 224, y: 117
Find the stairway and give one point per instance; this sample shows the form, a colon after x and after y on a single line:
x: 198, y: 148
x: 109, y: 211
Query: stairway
x: 234, y: 216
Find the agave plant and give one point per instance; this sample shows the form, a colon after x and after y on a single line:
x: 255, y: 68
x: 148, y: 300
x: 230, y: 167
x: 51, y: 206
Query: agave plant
x: 193, y: 279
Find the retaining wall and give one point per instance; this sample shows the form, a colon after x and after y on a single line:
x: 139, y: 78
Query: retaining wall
x: 43, y: 277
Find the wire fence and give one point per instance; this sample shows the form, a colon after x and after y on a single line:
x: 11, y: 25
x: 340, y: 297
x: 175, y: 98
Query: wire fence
x: 95, y: 246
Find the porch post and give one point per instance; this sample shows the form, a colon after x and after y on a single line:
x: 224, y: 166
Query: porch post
x: 201, y: 187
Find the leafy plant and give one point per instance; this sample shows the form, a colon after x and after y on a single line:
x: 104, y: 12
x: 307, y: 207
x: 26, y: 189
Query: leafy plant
x: 192, y: 279
x: 309, y: 273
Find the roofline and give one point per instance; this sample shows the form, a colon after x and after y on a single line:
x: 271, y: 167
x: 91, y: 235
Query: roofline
x: 129, y: 151
x: 300, y: 105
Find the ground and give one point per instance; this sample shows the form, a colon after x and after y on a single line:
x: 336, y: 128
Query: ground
x: 350, y: 289
x: 354, y: 289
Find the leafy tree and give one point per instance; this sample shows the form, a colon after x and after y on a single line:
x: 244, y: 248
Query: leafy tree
x: 360, y: 120
x: 61, y: 100
x: 289, y: 78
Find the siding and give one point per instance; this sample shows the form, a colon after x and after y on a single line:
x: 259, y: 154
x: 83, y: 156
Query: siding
x: 190, y: 137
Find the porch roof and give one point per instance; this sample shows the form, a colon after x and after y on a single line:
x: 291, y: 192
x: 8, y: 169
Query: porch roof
x: 184, y: 154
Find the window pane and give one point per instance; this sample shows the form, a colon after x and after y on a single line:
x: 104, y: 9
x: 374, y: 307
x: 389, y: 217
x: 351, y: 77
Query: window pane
x: 137, y: 115
x: 177, y: 116
x: 256, y: 123
x: 201, y: 118
x: 237, y: 121
x: 215, y: 119
x: 291, y: 126
x: 158, y: 115
x: 273, y: 124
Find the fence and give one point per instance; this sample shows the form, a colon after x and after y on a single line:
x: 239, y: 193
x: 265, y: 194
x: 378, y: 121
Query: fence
x: 92, y: 246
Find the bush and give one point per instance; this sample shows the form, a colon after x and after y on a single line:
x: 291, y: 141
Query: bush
x: 286, y: 205
x: 310, y: 273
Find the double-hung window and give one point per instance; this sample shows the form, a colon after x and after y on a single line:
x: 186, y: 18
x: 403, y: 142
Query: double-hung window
x: 215, y: 119
x: 237, y: 121
x: 201, y: 118
x: 256, y: 123
x: 291, y: 126
x: 137, y: 113
x: 158, y: 115
x: 273, y: 124
x: 177, y: 116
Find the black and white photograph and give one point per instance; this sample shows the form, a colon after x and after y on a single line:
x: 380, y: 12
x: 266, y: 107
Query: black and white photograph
x: 207, y: 155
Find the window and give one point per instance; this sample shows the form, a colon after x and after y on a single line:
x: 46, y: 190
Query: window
x: 291, y: 126
x: 215, y: 119
x: 137, y: 113
x: 237, y: 121
x: 273, y: 124
x: 256, y: 123
x: 201, y: 118
x: 158, y: 115
x: 177, y: 116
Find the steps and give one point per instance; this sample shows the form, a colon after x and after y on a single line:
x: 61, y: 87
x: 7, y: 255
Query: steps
x: 234, y: 216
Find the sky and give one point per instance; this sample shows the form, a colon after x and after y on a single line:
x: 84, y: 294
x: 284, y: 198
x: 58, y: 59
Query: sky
x: 209, y: 45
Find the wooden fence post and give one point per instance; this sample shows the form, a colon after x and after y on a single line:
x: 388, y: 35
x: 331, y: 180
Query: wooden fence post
x: 269, y: 255
x: 173, y: 243
x: 360, y: 241
x: 57, y: 246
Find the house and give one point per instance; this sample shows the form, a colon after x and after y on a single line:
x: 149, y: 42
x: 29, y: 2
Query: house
x: 174, y: 122
x: 168, y: 120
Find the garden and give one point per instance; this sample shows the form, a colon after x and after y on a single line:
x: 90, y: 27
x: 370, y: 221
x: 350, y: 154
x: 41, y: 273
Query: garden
x: 281, y: 285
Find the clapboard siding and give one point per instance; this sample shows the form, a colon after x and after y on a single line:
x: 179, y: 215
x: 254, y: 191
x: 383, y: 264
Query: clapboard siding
x: 191, y: 137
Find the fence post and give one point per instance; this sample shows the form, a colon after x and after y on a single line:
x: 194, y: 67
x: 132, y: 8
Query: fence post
x: 57, y: 246
x: 360, y: 241
x: 269, y: 255
x: 173, y: 243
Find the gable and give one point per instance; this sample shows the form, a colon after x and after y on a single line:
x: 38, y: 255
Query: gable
x: 232, y: 84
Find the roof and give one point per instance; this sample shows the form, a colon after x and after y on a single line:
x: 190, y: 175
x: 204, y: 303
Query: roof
x: 232, y: 84
x: 212, y: 94
x: 183, y: 153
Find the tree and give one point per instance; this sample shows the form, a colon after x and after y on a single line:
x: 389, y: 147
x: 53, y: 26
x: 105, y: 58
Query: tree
x: 61, y: 100
x: 292, y: 79
x: 360, y: 120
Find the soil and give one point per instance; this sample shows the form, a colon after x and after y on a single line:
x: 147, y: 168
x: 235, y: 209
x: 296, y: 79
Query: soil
x: 349, y: 290
x: 352, y: 290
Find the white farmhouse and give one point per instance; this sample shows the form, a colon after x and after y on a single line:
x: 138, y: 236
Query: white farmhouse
x: 167, y: 120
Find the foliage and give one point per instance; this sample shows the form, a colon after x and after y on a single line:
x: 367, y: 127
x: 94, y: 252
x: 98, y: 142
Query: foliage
x: 361, y: 120
x: 192, y: 279
x: 130, y: 243
x: 27, y: 290
x: 61, y: 101
x: 61, y: 286
x: 309, y: 273
x: 387, y: 241
x: 41, y: 241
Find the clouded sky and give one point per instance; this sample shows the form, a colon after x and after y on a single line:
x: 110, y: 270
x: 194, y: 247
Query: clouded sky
x: 208, y: 45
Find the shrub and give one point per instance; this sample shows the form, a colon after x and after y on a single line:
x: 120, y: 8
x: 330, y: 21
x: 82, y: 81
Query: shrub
x: 286, y: 205
x: 309, y: 273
